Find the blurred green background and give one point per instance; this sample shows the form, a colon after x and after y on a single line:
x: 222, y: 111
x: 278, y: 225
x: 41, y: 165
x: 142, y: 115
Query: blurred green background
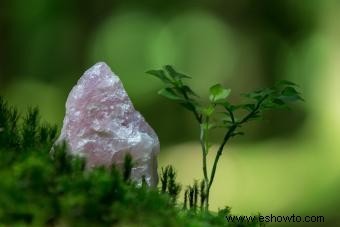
x: 286, y: 164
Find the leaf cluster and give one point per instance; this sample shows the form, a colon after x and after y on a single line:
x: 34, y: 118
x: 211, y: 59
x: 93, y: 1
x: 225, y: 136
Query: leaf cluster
x: 220, y: 112
x: 176, y: 89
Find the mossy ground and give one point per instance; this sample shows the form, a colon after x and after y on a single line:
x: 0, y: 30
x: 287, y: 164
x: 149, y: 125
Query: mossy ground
x: 40, y: 188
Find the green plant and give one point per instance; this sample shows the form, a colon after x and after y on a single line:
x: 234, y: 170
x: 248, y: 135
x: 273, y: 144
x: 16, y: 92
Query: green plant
x: 33, y: 176
x: 168, y: 182
x: 220, y: 112
x: 191, y: 194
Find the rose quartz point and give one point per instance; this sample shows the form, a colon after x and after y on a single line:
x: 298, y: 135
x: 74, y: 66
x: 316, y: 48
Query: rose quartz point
x: 102, y: 124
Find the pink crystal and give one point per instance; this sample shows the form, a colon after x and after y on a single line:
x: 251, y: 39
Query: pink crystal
x: 102, y: 125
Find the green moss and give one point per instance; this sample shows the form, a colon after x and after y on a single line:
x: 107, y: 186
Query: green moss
x: 43, y: 188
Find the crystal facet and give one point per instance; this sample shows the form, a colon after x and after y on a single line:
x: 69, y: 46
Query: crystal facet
x: 102, y: 125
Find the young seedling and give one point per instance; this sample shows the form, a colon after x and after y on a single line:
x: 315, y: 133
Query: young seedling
x: 185, y: 200
x: 9, y: 131
x: 202, y: 194
x: 168, y: 182
x: 221, y: 113
x: 164, y: 179
x: 192, y: 193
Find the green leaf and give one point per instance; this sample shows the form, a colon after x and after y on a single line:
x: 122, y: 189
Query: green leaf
x: 218, y: 93
x: 226, y: 104
x: 278, y: 101
x: 290, y: 94
x: 174, y: 74
x: 188, y: 90
x: 159, y: 74
x: 291, y: 98
x: 208, y: 111
x: 289, y: 91
x: 170, y: 94
x: 189, y: 106
x: 259, y: 94
x: 274, y: 103
x: 249, y: 107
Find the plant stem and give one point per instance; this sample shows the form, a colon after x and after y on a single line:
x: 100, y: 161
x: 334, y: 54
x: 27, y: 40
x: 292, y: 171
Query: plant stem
x: 203, y: 141
x: 204, y: 145
x: 254, y: 111
x: 231, y: 115
x: 204, y: 153
x: 197, y: 115
x: 226, y: 138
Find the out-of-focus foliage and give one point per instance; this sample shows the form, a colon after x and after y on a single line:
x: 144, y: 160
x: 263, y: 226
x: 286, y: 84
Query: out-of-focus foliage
x: 48, y: 44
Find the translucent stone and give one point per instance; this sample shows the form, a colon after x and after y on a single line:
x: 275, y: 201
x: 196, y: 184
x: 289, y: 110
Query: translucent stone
x: 102, y: 125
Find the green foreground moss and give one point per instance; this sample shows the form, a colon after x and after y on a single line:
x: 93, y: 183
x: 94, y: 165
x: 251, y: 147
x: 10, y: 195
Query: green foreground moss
x: 40, y: 188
